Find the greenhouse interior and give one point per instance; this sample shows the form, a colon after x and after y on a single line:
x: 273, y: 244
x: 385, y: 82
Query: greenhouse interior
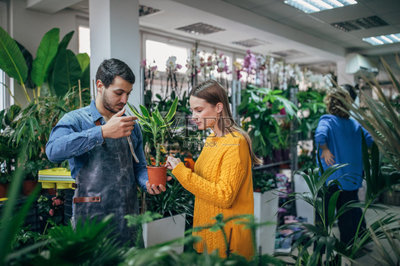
x: 187, y: 132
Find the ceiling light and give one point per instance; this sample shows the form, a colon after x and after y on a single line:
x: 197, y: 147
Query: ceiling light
x: 312, y: 6
x: 383, y: 39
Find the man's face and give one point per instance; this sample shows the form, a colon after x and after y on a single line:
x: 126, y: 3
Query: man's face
x: 116, y: 95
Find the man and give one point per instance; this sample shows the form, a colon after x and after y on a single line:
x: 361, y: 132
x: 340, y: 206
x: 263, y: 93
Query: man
x: 95, y: 141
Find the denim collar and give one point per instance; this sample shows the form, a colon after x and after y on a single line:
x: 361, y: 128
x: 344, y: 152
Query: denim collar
x: 94, y: 112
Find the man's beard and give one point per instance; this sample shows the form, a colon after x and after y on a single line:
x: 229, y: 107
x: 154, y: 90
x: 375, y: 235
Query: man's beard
x: 107, y: 106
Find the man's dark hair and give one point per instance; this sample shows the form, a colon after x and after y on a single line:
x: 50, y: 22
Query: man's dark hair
x: 110, y: 68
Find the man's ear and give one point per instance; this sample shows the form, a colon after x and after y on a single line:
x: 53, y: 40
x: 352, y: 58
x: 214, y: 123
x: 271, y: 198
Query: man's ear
x: 100, y: 86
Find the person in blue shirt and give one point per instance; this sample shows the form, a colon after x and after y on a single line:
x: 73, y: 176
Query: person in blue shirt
x: 339, y: 140
x: 104, y: 149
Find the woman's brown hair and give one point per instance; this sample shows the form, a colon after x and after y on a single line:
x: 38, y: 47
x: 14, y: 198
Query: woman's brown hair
x: 213, y: 93
x: 334, y: 103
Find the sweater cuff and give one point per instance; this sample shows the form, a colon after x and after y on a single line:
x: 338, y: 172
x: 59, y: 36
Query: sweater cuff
x: 180, y: 169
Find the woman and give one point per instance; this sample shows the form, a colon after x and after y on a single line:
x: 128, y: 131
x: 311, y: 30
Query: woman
x: 222, y: 178
x: 339, y: 140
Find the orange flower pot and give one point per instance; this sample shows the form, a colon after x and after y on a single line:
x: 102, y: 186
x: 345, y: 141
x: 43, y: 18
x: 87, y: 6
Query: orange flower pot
x: 157, y: 175
x: 3, y: 190
x: 28, y: 186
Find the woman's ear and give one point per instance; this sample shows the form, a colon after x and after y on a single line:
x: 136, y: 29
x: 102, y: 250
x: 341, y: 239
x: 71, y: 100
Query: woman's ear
x: 220, y: 107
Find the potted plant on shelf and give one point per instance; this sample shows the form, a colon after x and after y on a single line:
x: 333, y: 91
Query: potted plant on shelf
x: 156, y: 125
x: 265, y: 210
x: 260, y: 109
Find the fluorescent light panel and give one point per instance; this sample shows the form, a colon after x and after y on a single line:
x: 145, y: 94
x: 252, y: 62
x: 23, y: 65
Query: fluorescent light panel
x: 383, y: 39
x: 312, y: 6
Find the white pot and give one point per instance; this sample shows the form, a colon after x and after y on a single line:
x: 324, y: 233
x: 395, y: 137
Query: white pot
x: 303, y: 209
x: 164, y: 230
x: 266, y: 209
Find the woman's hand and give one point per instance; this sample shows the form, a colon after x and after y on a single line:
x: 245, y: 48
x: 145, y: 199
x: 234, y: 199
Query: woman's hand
x: 328, y: 157
x: 172, y: 162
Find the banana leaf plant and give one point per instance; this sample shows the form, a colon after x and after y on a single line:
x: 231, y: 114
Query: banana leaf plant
x: 156, y: 125
x: 55, y: 67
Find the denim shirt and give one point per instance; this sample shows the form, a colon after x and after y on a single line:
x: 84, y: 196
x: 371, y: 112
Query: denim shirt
x: 76, y: 134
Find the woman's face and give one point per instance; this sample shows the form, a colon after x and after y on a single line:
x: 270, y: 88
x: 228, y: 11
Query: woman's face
x: 204, y: 114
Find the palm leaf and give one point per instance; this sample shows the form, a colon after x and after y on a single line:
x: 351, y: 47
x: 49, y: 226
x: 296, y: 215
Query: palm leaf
x: 172, y: 110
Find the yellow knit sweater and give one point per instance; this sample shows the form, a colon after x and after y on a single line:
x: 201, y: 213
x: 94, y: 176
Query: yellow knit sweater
x: 222, y: 183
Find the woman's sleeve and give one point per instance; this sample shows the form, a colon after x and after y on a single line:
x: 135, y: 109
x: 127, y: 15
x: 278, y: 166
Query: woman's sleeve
x: 223, y: 192
x: 321, y: 133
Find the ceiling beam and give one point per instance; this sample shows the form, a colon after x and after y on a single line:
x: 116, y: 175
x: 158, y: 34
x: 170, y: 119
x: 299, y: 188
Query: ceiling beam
x: 50, y: 6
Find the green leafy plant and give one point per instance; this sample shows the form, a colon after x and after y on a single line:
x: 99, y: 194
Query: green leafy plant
x: 55, y: 67
x: 321, y: 234
x: 311, y: 108
x: 156, y: 125
x: 259, y: 110
x: 137, y: 221
x: 263, y: 181
x: 380, y: 118
x: 175, y: 200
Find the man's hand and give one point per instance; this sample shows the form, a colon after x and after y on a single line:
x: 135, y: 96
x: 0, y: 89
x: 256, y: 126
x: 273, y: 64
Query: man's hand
x: 154, y: 190
x: 172, y: 162
x: 328, y: 157
x: 118, y: 126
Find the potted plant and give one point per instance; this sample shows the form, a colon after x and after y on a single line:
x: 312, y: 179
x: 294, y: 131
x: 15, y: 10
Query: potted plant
x: 265, y: 210
x: 260, y: 109
x: 156, y: 125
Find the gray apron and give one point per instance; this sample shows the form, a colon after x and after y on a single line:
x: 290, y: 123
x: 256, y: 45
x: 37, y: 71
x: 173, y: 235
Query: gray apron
x: 108, y: 174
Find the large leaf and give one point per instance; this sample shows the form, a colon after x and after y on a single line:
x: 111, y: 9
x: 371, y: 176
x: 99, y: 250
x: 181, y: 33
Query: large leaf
x: 44, y: 56
x: 84, y: 60
x: 85, y: 78
x: 65, y: 41
x: 28, y: 60
x: 66, y: 72
x: 11, y: 59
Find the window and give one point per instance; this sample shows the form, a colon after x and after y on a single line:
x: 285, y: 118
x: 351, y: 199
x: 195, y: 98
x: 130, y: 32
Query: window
x: 84, y: 39
x: 5, y: 100
x: 157, y: 53
x: 3, y: 91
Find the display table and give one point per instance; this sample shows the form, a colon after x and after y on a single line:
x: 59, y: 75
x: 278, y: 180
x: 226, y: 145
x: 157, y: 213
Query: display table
x: 58, y: 178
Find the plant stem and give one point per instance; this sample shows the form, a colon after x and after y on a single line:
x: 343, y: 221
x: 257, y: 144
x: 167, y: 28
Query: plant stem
x: 80, y: 93
x: 34, y: 96
x: 368, y: 203
x: 157, y: 145
x: 26, y: 93
x: 9, y: 92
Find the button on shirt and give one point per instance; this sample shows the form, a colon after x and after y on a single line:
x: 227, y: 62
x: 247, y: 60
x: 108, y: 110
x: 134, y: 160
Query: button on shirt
x: 343, y: 138
x: 76, y: 133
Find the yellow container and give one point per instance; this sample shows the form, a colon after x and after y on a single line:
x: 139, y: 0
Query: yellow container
x: 58, y: 178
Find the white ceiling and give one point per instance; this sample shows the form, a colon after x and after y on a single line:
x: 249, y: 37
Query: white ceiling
x: 280, y: 26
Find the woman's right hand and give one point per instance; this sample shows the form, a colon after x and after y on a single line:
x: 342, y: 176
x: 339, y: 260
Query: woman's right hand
x: 172, y: 162
x: 328, y: 157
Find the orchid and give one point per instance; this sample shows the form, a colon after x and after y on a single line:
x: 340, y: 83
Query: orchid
x: 171, y: 62
x: 250, y: 62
